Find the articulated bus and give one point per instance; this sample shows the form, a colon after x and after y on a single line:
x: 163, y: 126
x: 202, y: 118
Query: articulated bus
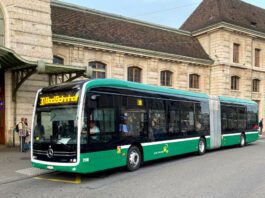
x: 89, y: 126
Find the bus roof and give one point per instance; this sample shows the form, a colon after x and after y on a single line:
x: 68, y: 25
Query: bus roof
x: 142, y: 87
x: 158, y: 89
x: 236, y: 100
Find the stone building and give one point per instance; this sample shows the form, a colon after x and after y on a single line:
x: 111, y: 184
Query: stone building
x: 232, y: 33
x: 48, y: 42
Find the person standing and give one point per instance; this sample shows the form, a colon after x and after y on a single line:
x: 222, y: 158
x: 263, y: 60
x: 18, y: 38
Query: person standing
x: 28, y: 131
x: 261, y: 126
x: 22, y: 134
x: 27, y: 128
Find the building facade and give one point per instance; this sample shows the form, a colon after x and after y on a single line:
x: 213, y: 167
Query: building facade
x: 233, y: 34
x: 217, y: 58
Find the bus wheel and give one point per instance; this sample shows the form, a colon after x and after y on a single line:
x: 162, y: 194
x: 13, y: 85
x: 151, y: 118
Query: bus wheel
x: 202, y: 146
x: 134, y: 158
x: 242, y: 140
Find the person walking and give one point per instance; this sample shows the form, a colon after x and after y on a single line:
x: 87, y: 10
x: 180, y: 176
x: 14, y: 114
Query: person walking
x: 22, y: 134
x: 261, y: 126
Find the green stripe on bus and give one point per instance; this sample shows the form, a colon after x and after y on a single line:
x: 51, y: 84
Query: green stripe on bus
x: 91, y: 162
x: 231, y: 139
x: 102, y: 160
x: 252, y: 136
x: 157, y: 151
x: 234, y: 139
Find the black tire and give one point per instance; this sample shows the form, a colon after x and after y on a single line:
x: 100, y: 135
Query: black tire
x: 242, y: 140
x: 201, y: 146
x: 134, y: 158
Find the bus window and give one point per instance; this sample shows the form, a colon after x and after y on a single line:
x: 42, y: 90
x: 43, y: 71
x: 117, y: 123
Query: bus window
x: 252, y: 117
x: 198, y: 118
x: 56, y: 124
x: 187, y: 117
x: 99, y: 119
x: 133, y: 117
x: 157, y: 119
x: 174, y: 118
x: 202, y: 122
x: 102, y: 120
x: 242, y: 120
x: 229, y: 119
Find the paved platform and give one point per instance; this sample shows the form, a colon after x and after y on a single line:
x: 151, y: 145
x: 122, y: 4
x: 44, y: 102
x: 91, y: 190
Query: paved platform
x: 16, y: 165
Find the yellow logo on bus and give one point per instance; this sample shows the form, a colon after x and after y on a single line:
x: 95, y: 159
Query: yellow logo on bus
x: 58, y: 100
x: 165, y: 148
x: 118, y: 150
x: 140, y: 102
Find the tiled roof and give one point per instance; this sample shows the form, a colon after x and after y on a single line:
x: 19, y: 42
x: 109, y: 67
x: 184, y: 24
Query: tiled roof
x: 90, y: 25
x: 235, y: 12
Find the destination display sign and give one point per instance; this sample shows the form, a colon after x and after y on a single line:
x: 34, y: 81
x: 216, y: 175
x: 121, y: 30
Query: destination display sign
x: 58, y: 99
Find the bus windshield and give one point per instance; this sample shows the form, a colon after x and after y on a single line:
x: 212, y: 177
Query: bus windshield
x: 56, y: 125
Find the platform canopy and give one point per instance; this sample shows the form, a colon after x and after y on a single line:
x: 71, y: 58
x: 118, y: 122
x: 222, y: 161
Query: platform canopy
x: 11, y: 60
x: 22, y: 69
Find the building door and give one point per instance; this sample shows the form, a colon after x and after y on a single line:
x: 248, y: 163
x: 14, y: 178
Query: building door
x: 2, y: 107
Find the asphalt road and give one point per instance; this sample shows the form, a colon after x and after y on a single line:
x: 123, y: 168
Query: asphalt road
x: 233, y: 172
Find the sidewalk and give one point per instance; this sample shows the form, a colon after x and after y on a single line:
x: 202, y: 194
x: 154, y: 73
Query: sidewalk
x: 262, y: 136
x: 15, y: 165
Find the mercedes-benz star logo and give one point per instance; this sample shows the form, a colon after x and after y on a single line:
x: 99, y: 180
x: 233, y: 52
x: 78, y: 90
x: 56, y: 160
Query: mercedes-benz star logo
x: 50, y: 153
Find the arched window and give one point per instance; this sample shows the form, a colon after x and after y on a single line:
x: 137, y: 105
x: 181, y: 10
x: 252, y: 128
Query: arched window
x: 134, y: 74
x: 194, y: 81
x: 235, y: 82
x: 255, y: 85
x: 58, y: 60
x: 166, y: 78
x: 98, y: 69
x: 2, y: 28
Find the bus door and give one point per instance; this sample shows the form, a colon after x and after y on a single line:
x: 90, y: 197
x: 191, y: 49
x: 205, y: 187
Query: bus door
x: 215, y: 122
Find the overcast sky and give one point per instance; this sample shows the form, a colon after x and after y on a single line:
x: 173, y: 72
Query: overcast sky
x: 170, y: 13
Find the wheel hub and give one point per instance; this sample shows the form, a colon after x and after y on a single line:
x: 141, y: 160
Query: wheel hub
x: 134, y: 158
x: 201, y: 146
x: 242, y: 140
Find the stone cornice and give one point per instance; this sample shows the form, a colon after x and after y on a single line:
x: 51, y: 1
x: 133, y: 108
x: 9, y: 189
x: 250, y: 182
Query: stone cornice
x: 229, y: 26
x: 117, y: 17
x: 256, y: 69
x: 129, y: 50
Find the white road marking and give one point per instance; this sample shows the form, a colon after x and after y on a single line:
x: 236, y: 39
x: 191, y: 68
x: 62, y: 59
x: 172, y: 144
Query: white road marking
x: 33, y: 171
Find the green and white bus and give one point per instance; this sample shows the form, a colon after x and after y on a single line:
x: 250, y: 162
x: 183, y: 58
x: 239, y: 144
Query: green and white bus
x: 89, y: 126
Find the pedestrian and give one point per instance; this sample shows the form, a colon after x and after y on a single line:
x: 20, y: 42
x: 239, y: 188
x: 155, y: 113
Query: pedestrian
x: 261, y: 126
x: 22, y: 134
x: 27, y: 128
